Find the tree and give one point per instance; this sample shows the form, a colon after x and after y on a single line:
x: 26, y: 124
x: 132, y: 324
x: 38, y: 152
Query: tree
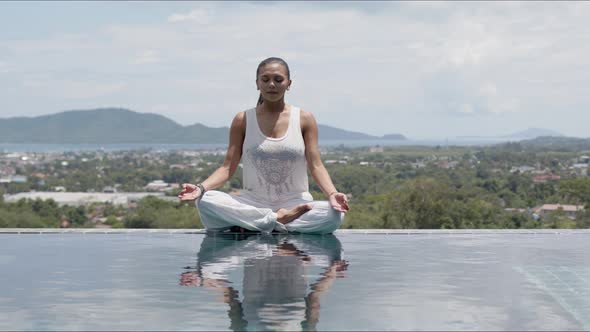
x: 76, y: 215
x: 420, y: 203
x: 583, y: 219
x: 576, y: 190
x: 156, y: 213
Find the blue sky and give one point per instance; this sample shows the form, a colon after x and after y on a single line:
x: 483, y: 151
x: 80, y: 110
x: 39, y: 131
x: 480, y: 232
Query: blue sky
x: 422, y: 69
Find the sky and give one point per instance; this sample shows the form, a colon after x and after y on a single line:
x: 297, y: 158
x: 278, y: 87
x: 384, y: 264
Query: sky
x: 422, y: 69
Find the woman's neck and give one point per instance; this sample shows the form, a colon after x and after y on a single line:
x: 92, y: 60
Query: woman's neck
x: 272, y: 107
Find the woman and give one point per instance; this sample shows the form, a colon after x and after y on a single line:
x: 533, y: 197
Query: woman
x: 276, y: 143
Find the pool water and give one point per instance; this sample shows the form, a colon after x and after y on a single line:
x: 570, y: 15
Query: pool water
x: 439, y: 281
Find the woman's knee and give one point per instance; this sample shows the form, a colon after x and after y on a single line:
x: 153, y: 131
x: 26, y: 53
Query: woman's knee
x: 332, y: 215
x: 335, y: 217
x: 208, y: 197
x: 324, y: 219
x: 206, y: 207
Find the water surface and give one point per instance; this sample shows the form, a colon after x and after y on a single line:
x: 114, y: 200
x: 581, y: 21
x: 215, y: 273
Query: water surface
x: 56, y: 148
x: 295, y: 282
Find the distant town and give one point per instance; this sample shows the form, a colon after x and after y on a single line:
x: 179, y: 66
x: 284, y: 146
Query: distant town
x: 514, y: 180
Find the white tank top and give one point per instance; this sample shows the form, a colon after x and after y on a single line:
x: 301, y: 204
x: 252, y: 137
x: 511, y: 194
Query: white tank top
x: 274, y: 169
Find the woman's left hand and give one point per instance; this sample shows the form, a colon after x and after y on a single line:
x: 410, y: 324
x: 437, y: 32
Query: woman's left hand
x: 339, y: 202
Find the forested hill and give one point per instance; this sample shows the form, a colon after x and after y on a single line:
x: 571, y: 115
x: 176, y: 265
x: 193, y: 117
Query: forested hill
x: 108, y: 125
x: 116, y: 125
x: 551, y: 143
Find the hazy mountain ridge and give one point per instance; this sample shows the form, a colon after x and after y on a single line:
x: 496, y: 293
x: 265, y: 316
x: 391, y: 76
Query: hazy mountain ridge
x: 562, y: 142
x: 530, y: 133
x: 118, y: 125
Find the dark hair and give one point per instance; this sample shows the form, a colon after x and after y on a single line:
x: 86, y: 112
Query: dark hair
x: 267, y: 62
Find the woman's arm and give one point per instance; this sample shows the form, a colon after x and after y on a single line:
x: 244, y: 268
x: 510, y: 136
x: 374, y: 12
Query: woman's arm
x: 237, y: 133
x: 312, y: 300
x: 317, y: 169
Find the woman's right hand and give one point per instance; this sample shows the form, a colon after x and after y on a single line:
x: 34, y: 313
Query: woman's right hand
x: 339, y: 202
x: 189, y: 192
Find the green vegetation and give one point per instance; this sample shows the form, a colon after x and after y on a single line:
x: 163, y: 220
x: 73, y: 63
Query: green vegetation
x: 155, y: 213
x: 391, y: 187
x: 150, y: 212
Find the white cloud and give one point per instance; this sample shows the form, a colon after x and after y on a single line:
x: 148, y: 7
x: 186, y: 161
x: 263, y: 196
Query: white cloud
x: 4, y: 67
x: 147, y: 57
x: 198, y: 15
x: 71, y: 89
x: 399, y: 61
x: 489, y: 89
x: 466, y: 109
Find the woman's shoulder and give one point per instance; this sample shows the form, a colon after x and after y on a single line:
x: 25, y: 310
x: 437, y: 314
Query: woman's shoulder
x: 239, y: 120
x: 240, y: 116
x: 306, y: 116
x: 306, y: 120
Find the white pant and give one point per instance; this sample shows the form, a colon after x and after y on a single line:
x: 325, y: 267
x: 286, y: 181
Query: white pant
x: 220, y: 211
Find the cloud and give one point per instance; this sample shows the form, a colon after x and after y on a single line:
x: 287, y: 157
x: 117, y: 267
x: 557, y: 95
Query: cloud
x: 198, y: 15
x: 146, y: 57
x: 4, y: 67
x: 400, y: 61
x: 71, y: 89
x: 488, y: 89
x: 466, y: 109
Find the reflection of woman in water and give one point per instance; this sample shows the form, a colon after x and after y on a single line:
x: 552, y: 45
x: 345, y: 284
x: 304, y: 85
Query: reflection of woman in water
x: 276, y: 143
x: 275, y: 275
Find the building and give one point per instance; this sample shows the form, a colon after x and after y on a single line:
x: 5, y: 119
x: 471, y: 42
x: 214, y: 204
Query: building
x: 522, y: 169
x: 447, y: 164
x: 519, y: 210
x: 80, y: 198
x: 14, y: 179
x: 19, y: 179
x: 418, y: 164
x: 109, y: 189
x: 546, y: 177
x: 569, y: 210
x: 579, y: 165
x: 333, y: 161
x: 157, y: 185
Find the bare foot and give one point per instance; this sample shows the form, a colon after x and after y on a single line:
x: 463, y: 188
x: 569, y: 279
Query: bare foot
x: 285, y: 216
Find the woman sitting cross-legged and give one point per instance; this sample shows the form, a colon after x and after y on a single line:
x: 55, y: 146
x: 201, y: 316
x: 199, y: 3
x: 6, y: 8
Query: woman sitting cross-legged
x: 276, y: 143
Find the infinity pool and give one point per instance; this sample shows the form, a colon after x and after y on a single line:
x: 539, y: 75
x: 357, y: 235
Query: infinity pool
x: 177, y: 281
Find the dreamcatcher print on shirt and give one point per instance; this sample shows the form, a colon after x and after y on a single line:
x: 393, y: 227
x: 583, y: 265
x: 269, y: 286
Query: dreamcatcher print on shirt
x: 274, y: 168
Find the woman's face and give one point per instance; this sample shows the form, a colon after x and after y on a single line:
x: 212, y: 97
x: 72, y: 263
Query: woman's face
x: 272, y: 81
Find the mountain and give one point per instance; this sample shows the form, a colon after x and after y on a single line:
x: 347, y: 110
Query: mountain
x: 333, y: 133
x: 107, y: 125
x: 531, y: 133
x: 328, y: 132
x: 394, y: 137
x: 118, y: 125
x: 552, y: 143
